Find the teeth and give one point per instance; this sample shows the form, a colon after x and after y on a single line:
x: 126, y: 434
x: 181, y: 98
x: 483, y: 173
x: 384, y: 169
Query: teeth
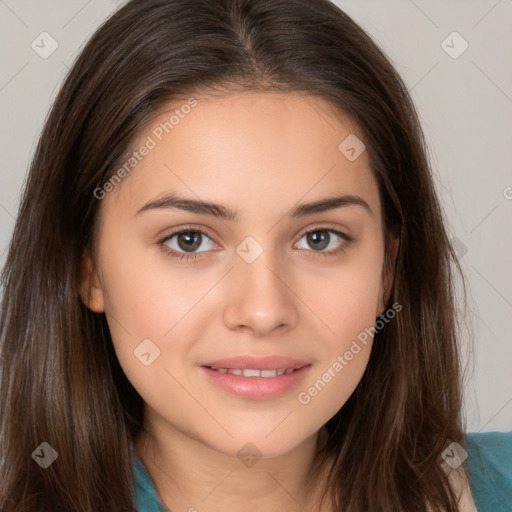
x: 253, y: 373
x: 249, y: 372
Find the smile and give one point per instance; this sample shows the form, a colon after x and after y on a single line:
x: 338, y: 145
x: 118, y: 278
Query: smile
x: 255, y: 384
x: 249, y: 372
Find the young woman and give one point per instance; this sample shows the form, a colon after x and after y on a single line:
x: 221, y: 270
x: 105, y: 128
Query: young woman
x: 230, y: 285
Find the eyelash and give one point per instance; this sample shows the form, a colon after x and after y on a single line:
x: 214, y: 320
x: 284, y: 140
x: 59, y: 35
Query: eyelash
x: 194, y: 256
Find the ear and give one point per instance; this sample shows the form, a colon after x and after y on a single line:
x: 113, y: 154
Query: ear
x: 91, y: 291
x: 388, y: 273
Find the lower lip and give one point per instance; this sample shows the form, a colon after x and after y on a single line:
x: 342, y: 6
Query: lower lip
x: 256, y: 388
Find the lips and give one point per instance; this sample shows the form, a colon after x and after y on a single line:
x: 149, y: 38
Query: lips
x: 256, y: 377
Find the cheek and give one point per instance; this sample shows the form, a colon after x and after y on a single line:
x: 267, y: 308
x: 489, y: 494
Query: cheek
x: 345, y: 296
x: 153, y: 323
x: 149, y: 298
x: 147, y: 293
x: 346, y: 303
x: 345, y: 350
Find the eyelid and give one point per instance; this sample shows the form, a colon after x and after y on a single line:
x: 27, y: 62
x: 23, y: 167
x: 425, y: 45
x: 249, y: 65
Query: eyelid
x: 325, y: 226
x: 185, y: 229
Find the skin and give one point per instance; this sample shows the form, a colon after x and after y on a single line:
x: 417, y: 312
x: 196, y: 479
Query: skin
x: 259, y: 154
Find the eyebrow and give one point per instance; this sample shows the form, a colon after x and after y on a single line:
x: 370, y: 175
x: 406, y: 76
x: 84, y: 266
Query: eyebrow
x: 172, y: 201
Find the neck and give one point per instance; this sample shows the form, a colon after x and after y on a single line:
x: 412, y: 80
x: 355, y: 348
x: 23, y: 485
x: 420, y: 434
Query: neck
x: 189, y: 475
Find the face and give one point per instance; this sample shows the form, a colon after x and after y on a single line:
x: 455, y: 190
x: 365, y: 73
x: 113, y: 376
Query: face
x: 268, y: 279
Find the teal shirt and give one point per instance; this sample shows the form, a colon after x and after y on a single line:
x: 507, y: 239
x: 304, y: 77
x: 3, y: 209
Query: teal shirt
x: 490, y: 470
x: 489, y: 462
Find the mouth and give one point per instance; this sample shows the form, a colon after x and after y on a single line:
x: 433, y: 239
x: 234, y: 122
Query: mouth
x: 254, y: 382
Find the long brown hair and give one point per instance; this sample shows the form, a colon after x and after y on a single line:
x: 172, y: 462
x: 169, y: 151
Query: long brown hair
x: 61, y: 382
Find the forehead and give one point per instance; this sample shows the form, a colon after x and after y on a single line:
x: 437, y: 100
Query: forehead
x: 279, y: 147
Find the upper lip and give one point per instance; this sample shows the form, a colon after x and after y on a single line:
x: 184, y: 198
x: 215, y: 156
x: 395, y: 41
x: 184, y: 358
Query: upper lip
x: 273, y: 362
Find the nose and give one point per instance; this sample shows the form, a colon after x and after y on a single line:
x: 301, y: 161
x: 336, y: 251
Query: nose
x: 261, y: 298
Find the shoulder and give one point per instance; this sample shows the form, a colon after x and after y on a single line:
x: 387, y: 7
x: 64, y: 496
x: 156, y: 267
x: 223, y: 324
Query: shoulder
x: 489, y: 463
x: 146, y: 496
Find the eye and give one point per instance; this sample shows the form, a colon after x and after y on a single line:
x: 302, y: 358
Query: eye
x: 321, y: 238
x: 186, y: 239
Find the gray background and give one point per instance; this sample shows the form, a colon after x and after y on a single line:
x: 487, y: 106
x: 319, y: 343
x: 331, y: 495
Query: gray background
x: 465, y: 104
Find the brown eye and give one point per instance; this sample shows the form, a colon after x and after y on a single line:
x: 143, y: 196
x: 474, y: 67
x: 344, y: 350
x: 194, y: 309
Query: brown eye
x: 189, y: 240
x: 319, y: 239
x: 185, y: 242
